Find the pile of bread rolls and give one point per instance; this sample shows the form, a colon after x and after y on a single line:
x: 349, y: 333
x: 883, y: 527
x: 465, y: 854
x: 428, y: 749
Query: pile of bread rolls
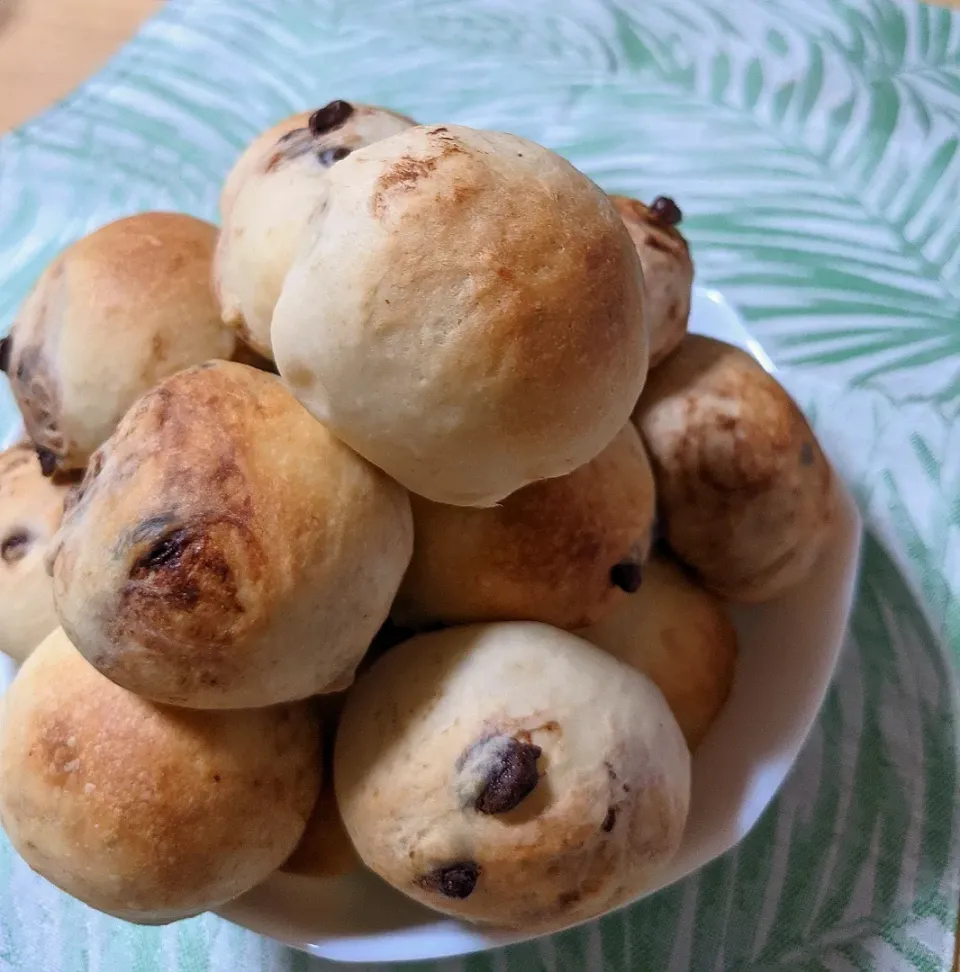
x: 357, y: 533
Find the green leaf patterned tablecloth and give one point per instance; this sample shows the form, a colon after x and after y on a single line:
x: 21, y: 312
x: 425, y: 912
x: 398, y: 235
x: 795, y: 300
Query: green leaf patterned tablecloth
x: 815, y: 148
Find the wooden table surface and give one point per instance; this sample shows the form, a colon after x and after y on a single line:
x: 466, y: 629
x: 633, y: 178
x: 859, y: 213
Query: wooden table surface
x: 47, y: 47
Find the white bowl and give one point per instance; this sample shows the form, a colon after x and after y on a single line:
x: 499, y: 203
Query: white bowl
x: 789, y: 649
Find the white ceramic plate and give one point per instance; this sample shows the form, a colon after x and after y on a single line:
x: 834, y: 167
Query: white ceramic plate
x: 789, y: 649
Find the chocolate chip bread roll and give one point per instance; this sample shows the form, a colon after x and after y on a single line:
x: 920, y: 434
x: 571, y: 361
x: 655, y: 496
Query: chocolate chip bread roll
x: 469, y: 315
x: 226, y: 550
x: 114, y: 314
x: 564, y: 551
x: 745, y: 493
x: 667, y: 269
x: 681, y: 637
x: 511, y: 774
x: 272, y: 197
x: 31, y: 506
x: 143, y: 811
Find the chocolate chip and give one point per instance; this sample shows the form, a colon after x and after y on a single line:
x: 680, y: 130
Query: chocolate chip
x: 6, y: 348
x: 504, y: 768
x: 330, y: 116
x: 626, y: 575
x: 609, y: 820
x: 166, y: 552
x: 453, y: 881
x: 666, y: 210
x: 329, y: 157
x: 48, y: 461
x: 806, y: 454
x: 14, y: 547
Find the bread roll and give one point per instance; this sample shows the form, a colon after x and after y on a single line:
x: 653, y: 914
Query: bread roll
x: 147, y: 812
x: 270, y: 198
x: 30, y: 510
x: 563, y: 551
x: 226, y: 550
x: 511, y: 774
x: 745, y: 493
x: 325, y: 851
x: 681, y: 637
x: 667, y: 270
x: 115, y: 313
x: 467, y: 314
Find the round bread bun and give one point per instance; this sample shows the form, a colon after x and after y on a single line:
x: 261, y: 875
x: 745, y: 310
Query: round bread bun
x: 148, y: 812
x: 324, y: 850
x: 271, y: 197
x: 667, y: 270
x: 511, y: 774
x: 468, y: 314
x: 745, y: 493
x: 226, y: 550
x: 563, y: 551
x: 115, y: 313
x: 681, y: 637
x: 31, y: 506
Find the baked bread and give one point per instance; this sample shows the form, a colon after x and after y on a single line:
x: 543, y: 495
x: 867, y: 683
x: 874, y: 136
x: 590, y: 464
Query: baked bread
x: 511, y: 774
x: 148, y: 812
x: 467, y: 314
x: 227, y: 551
x: 563, y: 551
x: 114, y: 314
x: 681, y: 637
x: 271, y: 197
x: 745, y: 493
x: 325, y: 850
x: 667, y: 270
x: 31, y: 506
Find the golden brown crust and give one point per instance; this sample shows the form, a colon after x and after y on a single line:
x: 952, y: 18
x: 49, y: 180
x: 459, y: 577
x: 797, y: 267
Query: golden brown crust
x: 31, y: 506
x: 667, y: 274
x: 523, y: 368
x: 225, y: 549
x: 681, y: 637
x: 511, y: 775
x: 143, y: 811
x: 744, y: 490
x: 115, y: 313
x: 325, y: 850
x: 553, y: 551
x: 32, y: 372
